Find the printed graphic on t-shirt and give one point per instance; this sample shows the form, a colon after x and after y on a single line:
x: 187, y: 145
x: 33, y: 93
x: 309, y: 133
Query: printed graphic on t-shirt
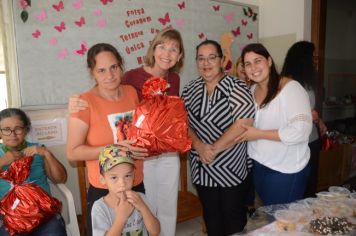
x: 120, y: 123
x: 134, y: 225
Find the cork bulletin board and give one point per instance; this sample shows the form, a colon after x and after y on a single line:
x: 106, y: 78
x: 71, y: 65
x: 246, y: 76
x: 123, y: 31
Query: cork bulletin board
x: 53, y: 36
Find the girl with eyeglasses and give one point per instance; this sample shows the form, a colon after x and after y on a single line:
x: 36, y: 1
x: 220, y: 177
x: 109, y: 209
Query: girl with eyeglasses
x: 14, y: 126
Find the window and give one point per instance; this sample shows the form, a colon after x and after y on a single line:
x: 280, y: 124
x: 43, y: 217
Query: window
x: 3, y: 86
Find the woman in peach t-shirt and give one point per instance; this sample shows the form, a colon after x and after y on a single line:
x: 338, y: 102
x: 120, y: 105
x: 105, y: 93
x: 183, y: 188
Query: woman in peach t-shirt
x: 109, y: 104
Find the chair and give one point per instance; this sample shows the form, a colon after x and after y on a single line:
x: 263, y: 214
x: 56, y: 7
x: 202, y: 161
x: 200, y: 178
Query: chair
x: 62, y: 193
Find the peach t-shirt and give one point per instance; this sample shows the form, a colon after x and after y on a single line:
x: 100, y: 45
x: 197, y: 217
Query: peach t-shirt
x: 108, y: 121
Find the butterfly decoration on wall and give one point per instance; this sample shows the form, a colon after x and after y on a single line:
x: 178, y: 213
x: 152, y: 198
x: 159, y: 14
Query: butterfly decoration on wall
x: 250, y: 13
x: 165, y: 19
x: 83, y: 49
x: 104, y: 2
x: 36, y: 34
x: 80, y: 22
x: 181, y: 5
x: 58, y: 7
x: 60, y: 27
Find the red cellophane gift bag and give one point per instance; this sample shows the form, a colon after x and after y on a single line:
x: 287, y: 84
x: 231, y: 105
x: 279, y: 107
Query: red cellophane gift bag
x: 160, y: 121
x: 26, y: 205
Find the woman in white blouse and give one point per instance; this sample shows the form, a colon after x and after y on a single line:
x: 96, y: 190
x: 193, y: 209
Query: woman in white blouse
x: 278, y: 142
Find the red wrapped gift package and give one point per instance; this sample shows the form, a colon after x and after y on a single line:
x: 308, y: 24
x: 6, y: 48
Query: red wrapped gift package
x: 160, y: 121
x: 26, y: 205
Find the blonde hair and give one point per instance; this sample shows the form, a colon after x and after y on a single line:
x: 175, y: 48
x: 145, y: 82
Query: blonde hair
x: 163, y: 35
x: 235, y: 66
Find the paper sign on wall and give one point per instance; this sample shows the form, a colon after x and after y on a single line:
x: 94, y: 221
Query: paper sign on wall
x: 49, y: 132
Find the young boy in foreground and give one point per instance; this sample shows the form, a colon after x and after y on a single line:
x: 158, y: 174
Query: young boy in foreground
x: 122, y: 211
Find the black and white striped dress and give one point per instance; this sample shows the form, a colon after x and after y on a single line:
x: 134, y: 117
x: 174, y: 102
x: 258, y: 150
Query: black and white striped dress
x: 210, y: 117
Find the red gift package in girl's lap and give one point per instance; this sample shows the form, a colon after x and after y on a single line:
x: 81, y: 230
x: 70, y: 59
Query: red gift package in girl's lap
x: 26, y: 205
x: 160, y: 121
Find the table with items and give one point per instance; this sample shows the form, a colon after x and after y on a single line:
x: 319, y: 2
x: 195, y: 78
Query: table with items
x: 332, y: 212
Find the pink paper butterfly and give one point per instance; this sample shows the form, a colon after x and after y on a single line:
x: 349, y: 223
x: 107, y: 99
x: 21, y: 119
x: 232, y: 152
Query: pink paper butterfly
x: 52, y: 41
x: 250, y: 35
x: 36, y: 34
x: 101, y: 22
x: 216, y: 8
x: 59, y: 6
x: 105, y: 1
x: 77, y: 4
x: 165, y: 20
x: 181, y: 5
x: 83, y: 49
x: 229, y: 17
x: 180, y: 23
x: 97, y: 12
x: 236, y: 32
x: 63, y: 53
x: 244, y: 22
x: 41, y: 16
x: 60, y: 27
x: 81, y: 22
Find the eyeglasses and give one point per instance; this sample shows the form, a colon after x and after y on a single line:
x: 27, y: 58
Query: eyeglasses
x: 173, y: 50
x: 112, y: 69
x: 209, y: 59
x: 17, y: 130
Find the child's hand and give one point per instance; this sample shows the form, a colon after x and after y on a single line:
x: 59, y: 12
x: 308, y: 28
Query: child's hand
x: 33, y: 150
x: 135, y: 199
x: 123, y: 208
x: 12, y: 156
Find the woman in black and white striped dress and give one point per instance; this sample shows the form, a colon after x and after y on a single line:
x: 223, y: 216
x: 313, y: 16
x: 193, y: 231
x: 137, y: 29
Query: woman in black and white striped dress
x: 217, y: 106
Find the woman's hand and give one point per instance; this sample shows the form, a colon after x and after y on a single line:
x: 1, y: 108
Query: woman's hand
x: 11, y: 156
x: 33, y: 150
x: 132, y: 151
x: 250, y: 134
x: 76, y: 104
x: 206, y: 153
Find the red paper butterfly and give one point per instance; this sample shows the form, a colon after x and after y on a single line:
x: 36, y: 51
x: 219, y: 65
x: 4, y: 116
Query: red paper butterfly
x: 201, y: 35
x: 83, y: 49
x: 250, y: 35
x: 181, y: 5
x: 105, y: 1
x: 81, y: 22
x: 60, y: 27
x: 216, y: 8
x: 244, y: 22
x: 165, y: 20
x: 36, y: 34
x: 236, y: 32
x: 59, y: 6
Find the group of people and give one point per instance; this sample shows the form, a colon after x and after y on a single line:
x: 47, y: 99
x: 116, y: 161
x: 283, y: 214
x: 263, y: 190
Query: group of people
x: 245, y: 133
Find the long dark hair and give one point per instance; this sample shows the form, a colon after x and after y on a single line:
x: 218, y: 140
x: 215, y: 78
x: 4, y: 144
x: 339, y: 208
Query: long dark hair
x: 273, y: 81
x: 299, y: 64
